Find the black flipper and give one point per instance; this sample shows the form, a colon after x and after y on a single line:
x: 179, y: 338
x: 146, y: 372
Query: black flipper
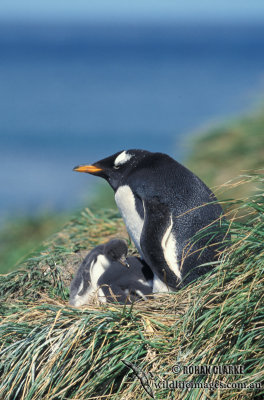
x: 114, y: 293
x: 146, y: 271
x: 157, y: 220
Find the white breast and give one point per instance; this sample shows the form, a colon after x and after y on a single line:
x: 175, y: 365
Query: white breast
x: 159, y: 286
x: 86, y: 298
x: 96, y: 270
x: 126, y: 203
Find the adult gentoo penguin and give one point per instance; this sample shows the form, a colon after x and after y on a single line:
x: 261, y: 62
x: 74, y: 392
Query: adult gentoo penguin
x: 163, y: 205
x: 102, y: 273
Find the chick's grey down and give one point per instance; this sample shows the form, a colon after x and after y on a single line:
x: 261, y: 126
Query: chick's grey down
x: 102, y: 273
x: 163, y: 205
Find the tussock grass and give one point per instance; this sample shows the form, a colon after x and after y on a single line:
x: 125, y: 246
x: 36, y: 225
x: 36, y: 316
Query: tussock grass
x: 52, y: 351
x: 20, y: 234
x: 225, y: 151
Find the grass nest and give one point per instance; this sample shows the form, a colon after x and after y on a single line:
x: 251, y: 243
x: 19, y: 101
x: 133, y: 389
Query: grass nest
x: 51, y: 351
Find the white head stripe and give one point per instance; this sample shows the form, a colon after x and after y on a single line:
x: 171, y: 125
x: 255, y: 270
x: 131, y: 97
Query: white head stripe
x: 122, y: 158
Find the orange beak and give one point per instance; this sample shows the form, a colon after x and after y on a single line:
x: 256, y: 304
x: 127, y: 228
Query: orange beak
x: 90, y: 169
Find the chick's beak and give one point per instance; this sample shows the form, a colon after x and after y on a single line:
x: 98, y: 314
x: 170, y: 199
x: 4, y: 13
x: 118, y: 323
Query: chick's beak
x: 90, y: 169
x: 123, y: 261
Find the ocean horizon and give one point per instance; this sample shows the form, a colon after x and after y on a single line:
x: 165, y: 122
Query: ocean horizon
x: 72, y: 94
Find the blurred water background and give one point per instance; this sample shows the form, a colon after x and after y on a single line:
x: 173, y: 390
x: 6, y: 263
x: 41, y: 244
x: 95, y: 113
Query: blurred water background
x: 81, y: 80
x: 76, y: 92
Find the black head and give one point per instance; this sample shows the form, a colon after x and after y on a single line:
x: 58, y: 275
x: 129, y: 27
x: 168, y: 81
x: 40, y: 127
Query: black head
x: 116, y: 250
x: 115, y: 167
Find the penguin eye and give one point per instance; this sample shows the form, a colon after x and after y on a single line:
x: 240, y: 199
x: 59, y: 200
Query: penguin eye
x: 116, y: 166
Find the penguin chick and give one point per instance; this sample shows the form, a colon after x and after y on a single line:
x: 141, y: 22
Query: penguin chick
x: 103, y: 273
x: 85, y: 283
x: 126, y: 286
x: 164, y: 205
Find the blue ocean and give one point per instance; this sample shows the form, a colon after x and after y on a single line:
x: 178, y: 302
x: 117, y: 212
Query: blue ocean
x: 75, y: 93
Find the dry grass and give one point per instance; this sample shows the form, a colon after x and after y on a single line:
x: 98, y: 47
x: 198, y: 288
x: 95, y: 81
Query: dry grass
x: 51, y: 351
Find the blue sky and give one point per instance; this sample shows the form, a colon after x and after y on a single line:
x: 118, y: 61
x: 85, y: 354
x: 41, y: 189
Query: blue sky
x: 132, y: 9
